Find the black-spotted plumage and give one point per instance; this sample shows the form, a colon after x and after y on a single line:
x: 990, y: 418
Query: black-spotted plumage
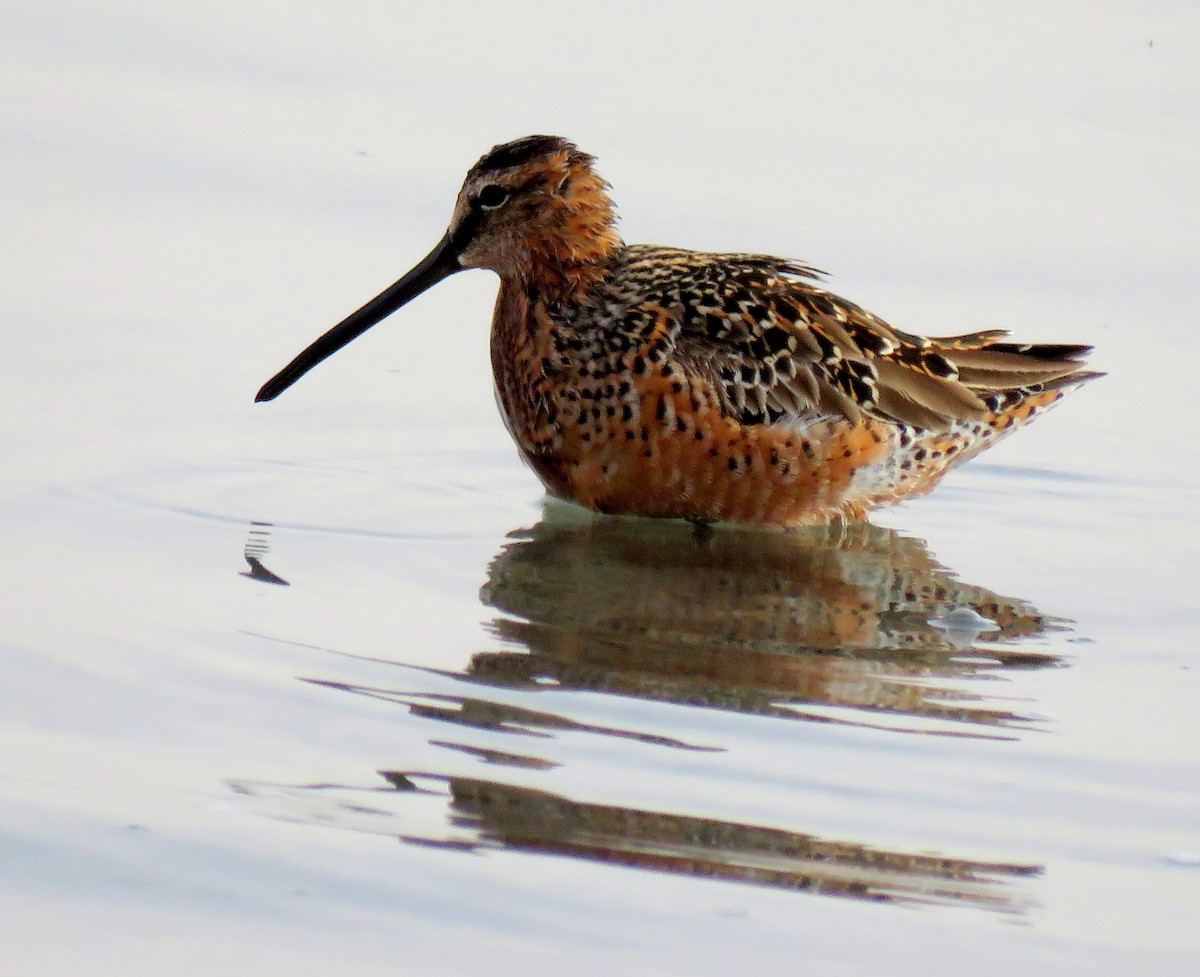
x: 659, y: 381
x: 780, y: 348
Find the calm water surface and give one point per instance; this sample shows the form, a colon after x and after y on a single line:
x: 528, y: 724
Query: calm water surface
x: 327, y: 684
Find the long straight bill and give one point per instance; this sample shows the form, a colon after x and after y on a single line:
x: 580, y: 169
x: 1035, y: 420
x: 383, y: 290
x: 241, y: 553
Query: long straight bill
x: 440, y: 263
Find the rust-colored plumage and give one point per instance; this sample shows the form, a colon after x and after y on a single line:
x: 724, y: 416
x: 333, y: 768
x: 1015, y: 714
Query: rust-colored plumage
x: 713, y: 387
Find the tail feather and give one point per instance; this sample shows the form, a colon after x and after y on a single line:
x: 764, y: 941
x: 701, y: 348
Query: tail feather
x: 959, y: 379
x: 1003, y: 401
x: 983, y: 379
x: 1003, y: 356
x: 919, y: 463
x: 1006, y: 374
x: 1074, y: 352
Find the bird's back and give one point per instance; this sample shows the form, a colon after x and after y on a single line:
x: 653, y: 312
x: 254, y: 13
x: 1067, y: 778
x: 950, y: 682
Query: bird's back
x: 734, y: 387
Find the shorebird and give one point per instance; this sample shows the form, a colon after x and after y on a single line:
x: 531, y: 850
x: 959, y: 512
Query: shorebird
x: 657, y: 381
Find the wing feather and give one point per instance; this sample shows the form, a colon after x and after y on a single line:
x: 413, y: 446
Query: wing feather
x: 778, y: 348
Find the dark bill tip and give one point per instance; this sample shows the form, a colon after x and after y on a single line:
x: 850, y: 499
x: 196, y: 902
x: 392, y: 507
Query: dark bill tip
x: 440, y: 263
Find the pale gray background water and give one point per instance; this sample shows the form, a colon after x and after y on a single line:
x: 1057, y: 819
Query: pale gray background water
x: 193, y: 192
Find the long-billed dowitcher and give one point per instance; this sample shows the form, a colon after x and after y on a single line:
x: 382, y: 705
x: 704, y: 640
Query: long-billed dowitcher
x: 661, y: 382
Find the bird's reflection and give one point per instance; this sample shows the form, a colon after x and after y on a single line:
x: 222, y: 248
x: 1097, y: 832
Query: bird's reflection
x: 478, y: 815
x: 849, y: 624
x: 790, y: 624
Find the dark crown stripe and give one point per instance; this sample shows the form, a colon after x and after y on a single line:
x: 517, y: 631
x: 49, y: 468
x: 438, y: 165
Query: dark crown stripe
x: 520, y: 151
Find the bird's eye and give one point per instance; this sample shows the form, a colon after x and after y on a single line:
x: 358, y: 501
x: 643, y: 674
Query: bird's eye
x: 492, y: 196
